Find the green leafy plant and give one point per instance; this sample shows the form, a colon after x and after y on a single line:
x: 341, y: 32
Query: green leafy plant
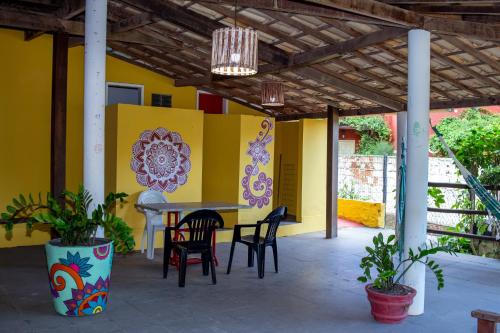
x: 437, y: 196
x: 73, y: 222
x: 372, y: 130
x: 347, y: 191
x: 381, y: 258
x: 379, y: 148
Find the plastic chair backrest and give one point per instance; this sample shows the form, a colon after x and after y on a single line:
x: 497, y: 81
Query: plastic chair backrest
x: 201, y: 225
x: 148, y: 197
x: 273, y: 220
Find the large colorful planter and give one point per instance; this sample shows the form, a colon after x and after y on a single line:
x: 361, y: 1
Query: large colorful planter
x: 79, y: 277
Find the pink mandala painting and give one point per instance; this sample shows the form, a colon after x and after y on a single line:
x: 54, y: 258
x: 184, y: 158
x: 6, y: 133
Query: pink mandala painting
x: 258, y: 191
x: 160, y: 160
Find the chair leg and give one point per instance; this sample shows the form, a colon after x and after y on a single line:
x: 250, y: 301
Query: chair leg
x: 262, y: 261
x: 151, y: 242
x: 230, y: 257
x: 275, y: 254
x: 143, y: 240
x: 250, y: 256
x: 212, y: 266
x: 205, y: 262
x: 182, y: 268
x: 166, y: 260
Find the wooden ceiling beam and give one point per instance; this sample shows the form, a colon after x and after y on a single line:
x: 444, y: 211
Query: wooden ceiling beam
x: 349, y: 87
x: 301, y: 8
x: 283, y: 37
x: 461, y: 45
x: 27, y: 21
x: 321, y: 54
x: 132, y: 22
x: 479, y: 77
x: 394, y: 14
x: 200, y: 25
x: 435, y: 105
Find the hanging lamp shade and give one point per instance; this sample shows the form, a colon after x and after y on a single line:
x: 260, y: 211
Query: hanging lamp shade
x: 234, y: 51
x: 272, y: 93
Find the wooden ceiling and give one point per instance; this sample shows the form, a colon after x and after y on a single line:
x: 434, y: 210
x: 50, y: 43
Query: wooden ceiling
x: 349, y: 54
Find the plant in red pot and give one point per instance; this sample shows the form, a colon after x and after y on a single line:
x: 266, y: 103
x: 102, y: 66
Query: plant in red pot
x: 389, y: 299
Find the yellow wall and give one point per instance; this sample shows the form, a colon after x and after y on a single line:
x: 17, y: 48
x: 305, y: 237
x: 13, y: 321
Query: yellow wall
x: 123, y: 129
x: 221, y: 150
x: 286, y: 165
x: 226, y: 139
x: 25, y: 96
x: 234, y: 108
x: 371, y: 214
x: 250, y: 128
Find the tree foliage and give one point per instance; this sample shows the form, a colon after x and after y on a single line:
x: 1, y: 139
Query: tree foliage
x: 474, y: 137
x: 373, y: 131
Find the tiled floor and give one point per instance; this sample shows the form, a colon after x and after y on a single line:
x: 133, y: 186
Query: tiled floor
x: 315, y: 291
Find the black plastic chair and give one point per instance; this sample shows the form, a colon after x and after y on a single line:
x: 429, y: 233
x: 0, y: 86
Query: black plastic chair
x: 257, y: 243
x: 201, y: 226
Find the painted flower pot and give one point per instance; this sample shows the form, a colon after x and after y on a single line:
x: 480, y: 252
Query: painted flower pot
x: 79, y: 277
x: 390, y: 309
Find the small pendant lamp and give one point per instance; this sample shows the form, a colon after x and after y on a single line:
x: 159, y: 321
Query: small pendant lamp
x: 234, y: 50
x: 272, y: 93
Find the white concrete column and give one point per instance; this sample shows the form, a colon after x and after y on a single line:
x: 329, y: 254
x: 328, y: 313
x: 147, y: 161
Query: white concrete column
x: 94, y: 99
x: 418, y: 158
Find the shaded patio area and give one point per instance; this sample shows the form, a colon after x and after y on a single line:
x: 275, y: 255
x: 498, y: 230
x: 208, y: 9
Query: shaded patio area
x: 315, y: 291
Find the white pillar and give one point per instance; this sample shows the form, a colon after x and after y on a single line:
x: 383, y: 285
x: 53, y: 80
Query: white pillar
x: 417, y: 158
x: 94, y: 99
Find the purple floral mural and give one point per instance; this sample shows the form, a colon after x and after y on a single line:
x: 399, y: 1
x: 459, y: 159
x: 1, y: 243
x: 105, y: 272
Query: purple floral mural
x: 257, y: 187
x: 160, y: 160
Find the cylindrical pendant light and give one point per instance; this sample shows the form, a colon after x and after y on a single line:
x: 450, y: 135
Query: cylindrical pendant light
x: 272, y: 93
x: 234, y: 51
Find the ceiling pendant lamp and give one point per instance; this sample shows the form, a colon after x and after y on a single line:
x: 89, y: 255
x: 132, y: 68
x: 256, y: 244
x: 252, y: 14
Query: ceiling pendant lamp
x: 234, y: 50
x: 272, y: 93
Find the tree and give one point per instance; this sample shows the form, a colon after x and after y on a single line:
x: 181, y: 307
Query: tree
x: 474, y: 137
x: 374, y: 132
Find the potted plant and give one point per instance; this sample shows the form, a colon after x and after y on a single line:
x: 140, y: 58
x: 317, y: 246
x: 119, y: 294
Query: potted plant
x: 79, y: 263
x: 389, y: 299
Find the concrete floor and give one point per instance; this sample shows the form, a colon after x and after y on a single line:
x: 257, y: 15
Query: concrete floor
x: 315, y: 291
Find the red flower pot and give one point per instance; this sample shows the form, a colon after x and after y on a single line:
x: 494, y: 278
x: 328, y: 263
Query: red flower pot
x: 387, y: 308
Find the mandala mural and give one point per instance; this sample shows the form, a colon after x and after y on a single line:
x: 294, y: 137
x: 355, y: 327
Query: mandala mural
x: 160, y: 160
x: 257, y: 187
x: 69, y: 282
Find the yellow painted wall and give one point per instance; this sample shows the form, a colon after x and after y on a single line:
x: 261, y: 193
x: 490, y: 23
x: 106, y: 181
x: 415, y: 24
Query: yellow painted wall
x: 234, y: 108
x: 221, y: 150
x: 371, y: 214
x: 250, y: 128
x: 25, y: 97
x: 129, y: 124
x: 286, y: 165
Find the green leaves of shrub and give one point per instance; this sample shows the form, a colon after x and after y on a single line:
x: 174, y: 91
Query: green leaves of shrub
x: 380, y: 258
x: 73, y: 222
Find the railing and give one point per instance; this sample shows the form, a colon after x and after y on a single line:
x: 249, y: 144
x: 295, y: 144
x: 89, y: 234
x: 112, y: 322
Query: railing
x: 460, y: 211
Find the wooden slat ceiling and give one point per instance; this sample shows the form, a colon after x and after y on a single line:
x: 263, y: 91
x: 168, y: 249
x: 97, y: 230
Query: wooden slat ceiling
x: 350, y: 54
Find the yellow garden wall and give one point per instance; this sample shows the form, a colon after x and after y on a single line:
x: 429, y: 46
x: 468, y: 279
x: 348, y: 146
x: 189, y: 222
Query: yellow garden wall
x: 25, y: 97
x: 123, y: 128
x: 371, y: 214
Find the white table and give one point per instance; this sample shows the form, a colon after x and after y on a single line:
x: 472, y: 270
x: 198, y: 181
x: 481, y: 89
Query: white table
x: 178, y: 208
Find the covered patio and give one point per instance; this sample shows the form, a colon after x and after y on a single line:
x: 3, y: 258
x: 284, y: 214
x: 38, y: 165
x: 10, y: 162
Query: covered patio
x: 315, y: 291
x: 106, y: 85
